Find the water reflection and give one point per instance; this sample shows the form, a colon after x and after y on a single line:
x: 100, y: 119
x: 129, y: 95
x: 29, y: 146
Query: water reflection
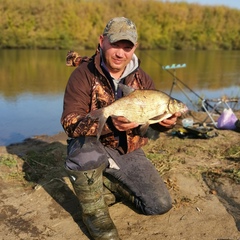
x: 29, y: 115
x: 32, y: 71
x: 33, y: 82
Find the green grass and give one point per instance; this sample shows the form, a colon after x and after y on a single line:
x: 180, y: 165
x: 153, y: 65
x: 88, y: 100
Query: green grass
x: 8, y: 161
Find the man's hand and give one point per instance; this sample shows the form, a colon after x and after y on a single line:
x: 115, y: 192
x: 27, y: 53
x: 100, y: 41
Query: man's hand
x: 170, y: 122
x: 123, y: 124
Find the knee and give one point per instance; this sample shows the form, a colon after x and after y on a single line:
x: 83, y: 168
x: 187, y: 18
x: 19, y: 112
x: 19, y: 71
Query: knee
x: 158, y: 207
x: 85, y: 153
x: 157, y: 210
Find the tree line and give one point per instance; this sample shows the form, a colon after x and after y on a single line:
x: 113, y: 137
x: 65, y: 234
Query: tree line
x: 64, y: 24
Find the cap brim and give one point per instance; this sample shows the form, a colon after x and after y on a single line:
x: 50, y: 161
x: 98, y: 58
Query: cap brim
x: 119, y: 37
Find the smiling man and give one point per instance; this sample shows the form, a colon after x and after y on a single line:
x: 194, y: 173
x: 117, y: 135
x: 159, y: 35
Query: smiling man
x: 116, y: 162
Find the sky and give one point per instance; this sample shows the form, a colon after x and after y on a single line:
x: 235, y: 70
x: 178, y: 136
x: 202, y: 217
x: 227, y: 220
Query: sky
x: 228, y: 3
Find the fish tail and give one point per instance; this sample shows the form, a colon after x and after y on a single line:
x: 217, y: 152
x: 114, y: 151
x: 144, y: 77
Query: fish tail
x: 98, y: 114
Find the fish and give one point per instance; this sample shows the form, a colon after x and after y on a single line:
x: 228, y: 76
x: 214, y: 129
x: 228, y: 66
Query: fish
x: 142, y: 106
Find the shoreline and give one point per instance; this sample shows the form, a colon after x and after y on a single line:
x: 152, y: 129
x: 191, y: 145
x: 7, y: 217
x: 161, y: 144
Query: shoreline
x: 60, y: 137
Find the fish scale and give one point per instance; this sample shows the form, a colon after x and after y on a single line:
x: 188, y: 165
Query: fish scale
x: 144, y: 107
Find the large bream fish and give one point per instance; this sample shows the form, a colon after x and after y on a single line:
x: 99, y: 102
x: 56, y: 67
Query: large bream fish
x: 144, y: 107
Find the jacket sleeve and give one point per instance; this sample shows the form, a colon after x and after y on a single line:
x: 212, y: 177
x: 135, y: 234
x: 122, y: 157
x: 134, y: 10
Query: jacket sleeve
x: 77, y: 104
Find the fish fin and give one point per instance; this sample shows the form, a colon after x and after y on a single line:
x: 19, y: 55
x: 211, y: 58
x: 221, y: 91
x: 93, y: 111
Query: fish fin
x: 143, y: 129
x: 98, y: 114
x: 126, y: 89
x: 161, y: 117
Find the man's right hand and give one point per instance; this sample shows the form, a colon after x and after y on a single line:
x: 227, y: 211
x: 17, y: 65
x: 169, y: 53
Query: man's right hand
x: 122, y: 124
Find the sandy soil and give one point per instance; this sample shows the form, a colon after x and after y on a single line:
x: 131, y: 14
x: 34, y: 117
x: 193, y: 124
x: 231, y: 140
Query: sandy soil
x: 203, y: 176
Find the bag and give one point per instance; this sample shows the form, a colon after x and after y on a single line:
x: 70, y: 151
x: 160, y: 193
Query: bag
x: 227, y: 120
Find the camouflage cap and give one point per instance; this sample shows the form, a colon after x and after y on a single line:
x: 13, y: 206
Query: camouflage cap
x: 121, y: 28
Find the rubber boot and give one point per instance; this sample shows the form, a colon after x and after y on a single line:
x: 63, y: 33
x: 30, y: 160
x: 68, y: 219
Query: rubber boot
x: 109, y: 197
x: 118, y: 189
x: 88, y: 186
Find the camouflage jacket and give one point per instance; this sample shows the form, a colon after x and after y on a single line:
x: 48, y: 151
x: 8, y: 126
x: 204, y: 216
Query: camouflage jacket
x: 88, y: 89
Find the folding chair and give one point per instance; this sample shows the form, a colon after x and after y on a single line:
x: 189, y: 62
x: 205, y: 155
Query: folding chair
x: 219, y: 105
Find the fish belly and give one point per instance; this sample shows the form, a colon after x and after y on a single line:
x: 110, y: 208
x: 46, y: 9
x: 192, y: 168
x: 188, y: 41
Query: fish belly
x: 136, y: 110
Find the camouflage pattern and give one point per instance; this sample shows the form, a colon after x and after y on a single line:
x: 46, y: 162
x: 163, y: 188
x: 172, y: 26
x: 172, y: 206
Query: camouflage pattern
x: 73, y: 59
x: 121, y: 28
x: 101, y: 94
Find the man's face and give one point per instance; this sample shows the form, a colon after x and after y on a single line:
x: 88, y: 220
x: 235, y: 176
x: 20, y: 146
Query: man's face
x: 116, y: 55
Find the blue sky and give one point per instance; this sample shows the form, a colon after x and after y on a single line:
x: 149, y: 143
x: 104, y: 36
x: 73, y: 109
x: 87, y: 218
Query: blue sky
x: 228, y: 3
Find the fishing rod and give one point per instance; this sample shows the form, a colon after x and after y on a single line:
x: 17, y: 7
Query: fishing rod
x: 166, y: 68
x: 174, y: 67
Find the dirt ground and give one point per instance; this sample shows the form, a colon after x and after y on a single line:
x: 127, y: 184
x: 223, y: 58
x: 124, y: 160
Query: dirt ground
x: 202, y: 174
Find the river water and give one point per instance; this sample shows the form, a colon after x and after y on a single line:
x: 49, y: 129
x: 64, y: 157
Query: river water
x: 32, y: 84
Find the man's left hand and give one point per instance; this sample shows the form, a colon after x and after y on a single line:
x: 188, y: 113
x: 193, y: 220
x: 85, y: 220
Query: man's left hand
x: 171, y: 121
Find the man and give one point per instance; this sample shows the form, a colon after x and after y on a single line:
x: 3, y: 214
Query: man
x: 115, y: 162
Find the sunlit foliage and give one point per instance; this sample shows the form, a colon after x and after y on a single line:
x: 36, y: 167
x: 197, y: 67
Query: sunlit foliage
x: 64, y: 24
